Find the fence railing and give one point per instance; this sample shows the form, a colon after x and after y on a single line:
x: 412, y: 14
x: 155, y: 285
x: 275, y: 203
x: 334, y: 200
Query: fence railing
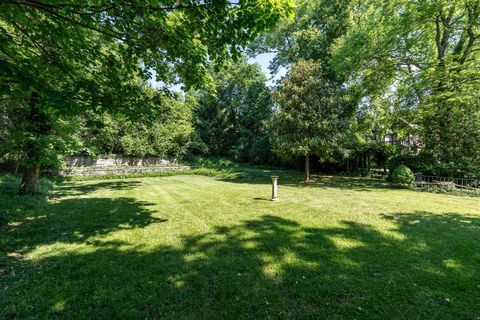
x: 463, y: 183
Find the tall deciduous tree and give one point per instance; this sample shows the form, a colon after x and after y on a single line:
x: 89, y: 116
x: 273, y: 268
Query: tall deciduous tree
x: 313, y: 115
x: 65, y: 57
x: 424, y: 54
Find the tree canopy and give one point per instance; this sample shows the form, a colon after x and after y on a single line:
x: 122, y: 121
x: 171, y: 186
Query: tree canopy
x: 76, y: 51
x: 68, y: 57
x: 420, y: 58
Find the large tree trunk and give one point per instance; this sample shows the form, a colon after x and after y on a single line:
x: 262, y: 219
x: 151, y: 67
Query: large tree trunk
x: 38, y: 125
x: 307, y: 167
x: 31, y: 180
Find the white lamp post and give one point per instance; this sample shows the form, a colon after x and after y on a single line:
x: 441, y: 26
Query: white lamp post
x: 274, y: 188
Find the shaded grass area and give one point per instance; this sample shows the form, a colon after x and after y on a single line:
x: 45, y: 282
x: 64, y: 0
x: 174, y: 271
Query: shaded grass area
x: 196, y: 247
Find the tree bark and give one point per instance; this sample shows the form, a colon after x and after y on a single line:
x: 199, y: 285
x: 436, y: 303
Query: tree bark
x: 307, y: 167
x: 30, y: 180
x: 38, y: 125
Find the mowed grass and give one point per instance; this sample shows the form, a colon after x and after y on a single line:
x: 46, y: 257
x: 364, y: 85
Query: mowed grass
x: 196, y: 247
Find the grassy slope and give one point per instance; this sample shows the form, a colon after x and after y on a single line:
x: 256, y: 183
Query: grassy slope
x: 202, y: 247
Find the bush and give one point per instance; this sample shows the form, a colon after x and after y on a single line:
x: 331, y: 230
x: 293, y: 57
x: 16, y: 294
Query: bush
x: 403, y: 176
x: 414, y: 162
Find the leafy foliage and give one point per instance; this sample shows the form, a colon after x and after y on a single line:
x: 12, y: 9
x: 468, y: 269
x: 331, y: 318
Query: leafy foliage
x: 403, y: 176
x: 233, y: 121
x: 358, y: 69
x: 412, y: 68
x: 313, y: 113
x: 168, y: 135
x: 86, y: 44
x: 424, y: 163
x: 310, y: 35
x: 408, y: 160
x: 421, y: 60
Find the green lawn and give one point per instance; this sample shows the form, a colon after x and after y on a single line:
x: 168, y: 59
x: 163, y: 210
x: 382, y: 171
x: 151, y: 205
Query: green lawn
x: 197, y: 247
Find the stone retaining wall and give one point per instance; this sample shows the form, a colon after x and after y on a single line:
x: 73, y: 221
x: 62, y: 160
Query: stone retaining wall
x: 119, y: 170
x: 111, y: 161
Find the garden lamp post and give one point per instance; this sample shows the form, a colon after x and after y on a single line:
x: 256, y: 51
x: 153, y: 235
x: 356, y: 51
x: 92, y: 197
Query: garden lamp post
x: 274, y: 188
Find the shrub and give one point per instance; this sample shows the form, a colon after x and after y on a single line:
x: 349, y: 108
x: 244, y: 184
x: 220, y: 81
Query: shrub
x: 409, y: 160
x: 403, y: 176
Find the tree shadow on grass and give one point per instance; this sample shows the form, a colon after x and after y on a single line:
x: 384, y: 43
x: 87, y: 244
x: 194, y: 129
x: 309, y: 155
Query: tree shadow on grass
x: 262, y: 175
x: 73, y: 189
x: 290, y: 178
x: 28, y: 222
x: 74, y: 221
x: 422, y: 266
x: 16, y: 207
x: 350, y: 183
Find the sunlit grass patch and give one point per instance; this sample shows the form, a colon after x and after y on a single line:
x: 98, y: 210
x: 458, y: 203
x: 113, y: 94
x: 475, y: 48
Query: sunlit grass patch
x: 189, y: 247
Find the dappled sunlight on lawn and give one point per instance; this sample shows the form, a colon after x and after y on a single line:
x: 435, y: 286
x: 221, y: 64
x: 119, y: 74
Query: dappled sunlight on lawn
x: 84, y: 256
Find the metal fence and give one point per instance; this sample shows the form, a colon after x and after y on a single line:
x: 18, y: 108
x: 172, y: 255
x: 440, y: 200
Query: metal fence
x: 462, y: 183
